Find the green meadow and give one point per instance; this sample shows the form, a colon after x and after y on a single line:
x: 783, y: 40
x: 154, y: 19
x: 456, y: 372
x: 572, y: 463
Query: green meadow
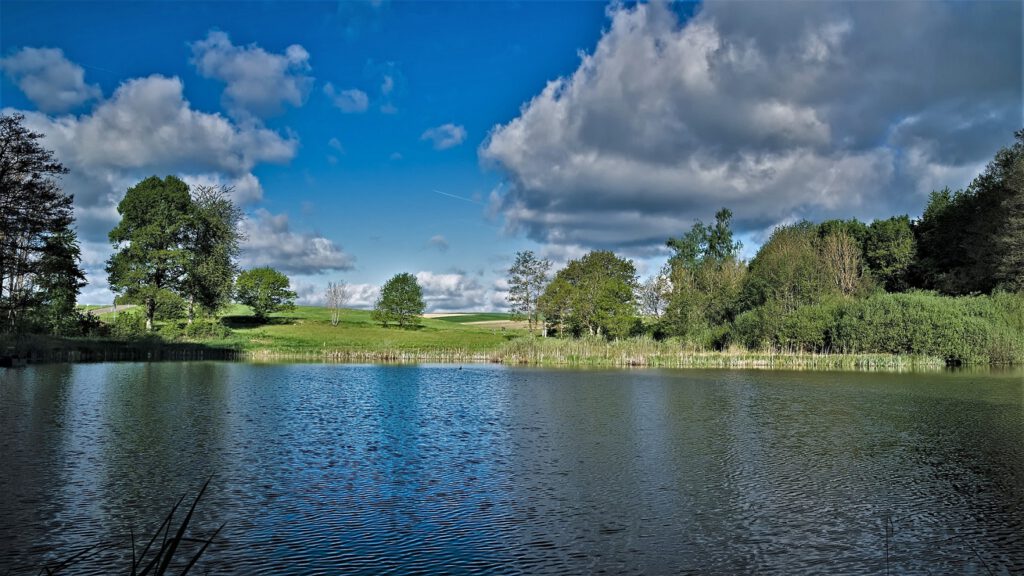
x: 307, y: 330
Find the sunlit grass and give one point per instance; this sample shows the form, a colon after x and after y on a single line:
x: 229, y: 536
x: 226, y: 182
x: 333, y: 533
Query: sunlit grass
x: 308, y: 331
x: 478, y: 317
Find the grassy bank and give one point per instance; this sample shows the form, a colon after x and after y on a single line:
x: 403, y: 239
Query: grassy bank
x: 306, y: 334
x: 45, y: 349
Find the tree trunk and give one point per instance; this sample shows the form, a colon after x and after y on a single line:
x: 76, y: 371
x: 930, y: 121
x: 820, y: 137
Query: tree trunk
x: 150, y: 313
x: 191, y: 308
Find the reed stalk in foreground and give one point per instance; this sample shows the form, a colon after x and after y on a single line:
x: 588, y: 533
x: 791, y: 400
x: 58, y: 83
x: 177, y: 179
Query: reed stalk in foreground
x: 157, y: 563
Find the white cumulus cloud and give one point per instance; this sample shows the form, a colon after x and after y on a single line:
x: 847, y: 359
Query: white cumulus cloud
x: 775, y: 110
x: 258, y: 83
x: 270, y: 241
x: 52, y: 82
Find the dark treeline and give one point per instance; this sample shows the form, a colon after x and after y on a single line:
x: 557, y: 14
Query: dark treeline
x: 947, y: 284
x: 40, y: 272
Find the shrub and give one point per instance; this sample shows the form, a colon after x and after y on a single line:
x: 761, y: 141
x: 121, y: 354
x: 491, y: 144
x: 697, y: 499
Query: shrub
x: 128, y: 325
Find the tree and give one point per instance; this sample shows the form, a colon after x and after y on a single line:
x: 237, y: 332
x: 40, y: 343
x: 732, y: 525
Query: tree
x: 33, y: 208
x: 653, y: 294
x: 400, y: 302
x: 526, y: 281
x: 840, y: 254
x: 213, y: 243
x: 594, y: 295
x: 787, y: 271
x: 151, y: 242
x: 337, y: 296
x: 969, y: 241
x: 1010, y: 267
x: 889, y: 251
x: 265, y: 290
x: 706, y: 277
x: 60, y: 280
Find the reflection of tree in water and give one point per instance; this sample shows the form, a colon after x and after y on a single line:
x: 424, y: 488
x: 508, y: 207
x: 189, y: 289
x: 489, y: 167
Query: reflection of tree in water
x: 162, y: 434
x: 37, y: 431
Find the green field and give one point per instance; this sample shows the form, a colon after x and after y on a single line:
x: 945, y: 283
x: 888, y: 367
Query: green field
x: 478, y: 317
x: 308, y: 330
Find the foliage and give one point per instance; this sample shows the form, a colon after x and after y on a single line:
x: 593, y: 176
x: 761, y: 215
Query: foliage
x: 400, y: 302
x: 527, y: 279
x: 889, y: 252
x: 705, y: 278
x: 705, y: 242
x: 35, y: 230
x: 128, y: 325
x: 971, y: 241
x: 960, y: 330
x: 213, y: 243
x: 265, y: 290
x: 151, y: 242
x: 59, y: 281
x: 841, y: 259
x: 787, y: 270
x: 593, y: 295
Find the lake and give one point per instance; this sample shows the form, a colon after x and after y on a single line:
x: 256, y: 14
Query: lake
x: 371, y: 469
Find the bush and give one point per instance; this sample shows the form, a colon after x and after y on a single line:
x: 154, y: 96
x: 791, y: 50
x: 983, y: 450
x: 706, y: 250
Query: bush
x: 969, y: 329
x: 128, y: 325
x: 210, y: 330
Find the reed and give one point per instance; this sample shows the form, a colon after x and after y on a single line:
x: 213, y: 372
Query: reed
x: 154, y: 558
x: 594, y: 352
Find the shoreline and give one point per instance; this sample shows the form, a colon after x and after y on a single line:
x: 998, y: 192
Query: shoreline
x: 527, y: 353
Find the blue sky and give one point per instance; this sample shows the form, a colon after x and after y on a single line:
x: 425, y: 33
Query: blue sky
x: 366, y: 139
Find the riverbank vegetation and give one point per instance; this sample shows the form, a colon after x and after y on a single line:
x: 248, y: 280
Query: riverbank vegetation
x: 943, y: 288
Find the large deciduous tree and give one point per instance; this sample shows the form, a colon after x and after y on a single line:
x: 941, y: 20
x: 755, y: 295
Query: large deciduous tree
x: 787, y: 271
x: 213, y: 243
x: 151, y: 242
x: 400, y: 301
x: 526, y: 281
x: 594, y: 295
x: 889, y: 251
x: 35, y: 216
x: 265, y: 290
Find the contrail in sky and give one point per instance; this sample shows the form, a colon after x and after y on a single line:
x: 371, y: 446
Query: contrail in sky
x: 470, y: 200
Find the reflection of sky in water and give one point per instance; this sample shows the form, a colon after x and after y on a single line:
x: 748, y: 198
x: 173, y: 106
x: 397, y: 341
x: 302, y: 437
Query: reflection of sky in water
x: 491, y: 469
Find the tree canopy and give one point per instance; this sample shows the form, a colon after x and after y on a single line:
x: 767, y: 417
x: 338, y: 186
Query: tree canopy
x: 972, y: 240
x: 38, y: 247
x: 265, y: 290
x: 400, y: 302
x: 151, y: 242
x: 594, y: 295
x: 175, y: 244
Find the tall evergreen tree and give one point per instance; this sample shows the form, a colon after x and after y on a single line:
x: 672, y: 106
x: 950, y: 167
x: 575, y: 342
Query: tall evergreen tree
x: 60, y: 279
x: 969, y: 241
x: 33, y: 208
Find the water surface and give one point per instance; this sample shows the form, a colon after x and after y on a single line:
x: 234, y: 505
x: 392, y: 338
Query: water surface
x: 487, y: 469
